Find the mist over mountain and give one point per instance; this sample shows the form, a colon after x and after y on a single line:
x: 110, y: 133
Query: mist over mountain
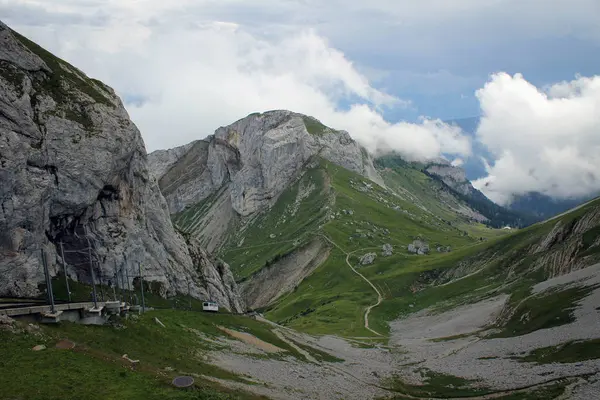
x: 536, y: 205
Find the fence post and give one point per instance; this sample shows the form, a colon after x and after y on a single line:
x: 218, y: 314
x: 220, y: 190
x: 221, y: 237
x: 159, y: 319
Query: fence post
x: 189, y: 295
x: 115, y: 282
x: 101, y: 279
x: 122, y: 276
x: 62, y: 254
x: 91, y: 268
x: 48, y: 282
x: 128, y: 285
x: 142, y: 287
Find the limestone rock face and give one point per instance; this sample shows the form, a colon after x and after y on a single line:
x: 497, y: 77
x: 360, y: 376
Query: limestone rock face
x: 74, y: 170
x: 217, y: 282
x: 455, y: 177
x: 562, y: 248
x: 258, y: 156
x: 162, y: 160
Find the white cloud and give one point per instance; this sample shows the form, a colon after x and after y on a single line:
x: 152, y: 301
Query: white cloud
x: 199, y: 64
x: 195, y: 76
x: 426, y: 140
x: 457, y: 162
x: 542, y: 140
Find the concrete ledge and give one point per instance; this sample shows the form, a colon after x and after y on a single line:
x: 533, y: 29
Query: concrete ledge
x: 46, y: 309
x: 51, y: 318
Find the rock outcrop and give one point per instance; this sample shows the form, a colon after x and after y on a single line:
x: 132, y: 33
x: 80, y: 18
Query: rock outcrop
x: 454, y: 177
x: 74, y: 171
x: 368, y: 259
x: 418, y: 247
x: 216, y: 279
x: 162, y: 160
x: 257, y: 157
x: 569, y: 245
x: 387, y: 250
x: 284, y: 275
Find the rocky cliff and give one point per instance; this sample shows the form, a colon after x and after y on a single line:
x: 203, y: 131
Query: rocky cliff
x: 257, y: 157
x: 74, y: 169
x: 162, y: 160
x: 454, y: 177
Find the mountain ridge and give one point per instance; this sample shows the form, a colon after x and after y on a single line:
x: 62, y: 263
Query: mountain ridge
x: 276, y: 239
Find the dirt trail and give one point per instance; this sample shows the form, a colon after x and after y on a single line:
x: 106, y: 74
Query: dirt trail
x: 252, y: 340
x: 379, y: 295
x: 300, y: 350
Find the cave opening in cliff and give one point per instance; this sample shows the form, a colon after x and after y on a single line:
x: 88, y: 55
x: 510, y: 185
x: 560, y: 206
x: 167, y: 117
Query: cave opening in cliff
x: 72, y: 240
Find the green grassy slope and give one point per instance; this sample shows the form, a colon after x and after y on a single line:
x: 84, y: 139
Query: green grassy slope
x: 358, y: 216
x: 289, y: 224
x: 333, y: 299
x: 433, y: 194
x: 95, y: 368
x: 334, y: 204
x: 503, y: 265
x: 190, y: 220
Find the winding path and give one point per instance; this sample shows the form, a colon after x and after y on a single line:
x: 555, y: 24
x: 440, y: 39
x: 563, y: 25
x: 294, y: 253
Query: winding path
x: 379, y: 295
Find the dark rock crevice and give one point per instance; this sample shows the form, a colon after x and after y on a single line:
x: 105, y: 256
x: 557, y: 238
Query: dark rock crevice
x: 51, y: 169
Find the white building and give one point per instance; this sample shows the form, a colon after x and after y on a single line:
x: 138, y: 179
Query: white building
x: 210, y: 306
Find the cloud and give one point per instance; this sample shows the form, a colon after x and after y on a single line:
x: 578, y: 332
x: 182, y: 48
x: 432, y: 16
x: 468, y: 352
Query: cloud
x: 545, y: 140
x: 426, y: 140
x: 457, y: 162
x: 182, y: 81
x: 187, y: 67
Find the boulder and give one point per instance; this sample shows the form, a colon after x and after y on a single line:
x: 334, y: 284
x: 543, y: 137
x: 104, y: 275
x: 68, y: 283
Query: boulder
x: 418, y: 247
x: 387, y: 250
x: 368, y: 259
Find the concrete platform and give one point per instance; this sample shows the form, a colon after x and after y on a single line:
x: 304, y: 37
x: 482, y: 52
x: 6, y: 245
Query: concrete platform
x: 113, y: 307
x: 51, y: 318
x: 14, y: 312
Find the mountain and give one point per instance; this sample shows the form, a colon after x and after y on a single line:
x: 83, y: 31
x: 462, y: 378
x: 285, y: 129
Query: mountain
x: 269, y: 192
x: 245, y: 166
x: 288, y: 206
x: 378, y: 277
x: 454, y: 178
x: 74, y: 168
x: 541, y: 206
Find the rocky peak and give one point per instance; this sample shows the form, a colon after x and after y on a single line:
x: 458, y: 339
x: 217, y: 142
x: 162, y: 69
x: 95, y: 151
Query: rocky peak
x: 162, y: 160
x: 74, y: 171
x: 258, y: 157
x: 454, y: 177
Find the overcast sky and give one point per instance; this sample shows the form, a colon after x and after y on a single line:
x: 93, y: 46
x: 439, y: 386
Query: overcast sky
x: 388, y: 71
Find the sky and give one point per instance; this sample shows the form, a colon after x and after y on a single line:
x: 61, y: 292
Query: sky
x: 387, y: 71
